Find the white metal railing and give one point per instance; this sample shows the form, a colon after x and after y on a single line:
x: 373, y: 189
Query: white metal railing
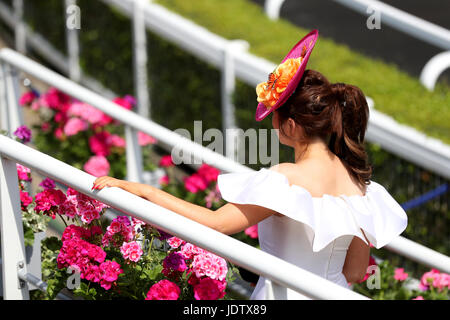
x: 282, y: 273
x: 397, y: 19
x: 135, y: 122
x: 434, y: 68
x: 401, y: 140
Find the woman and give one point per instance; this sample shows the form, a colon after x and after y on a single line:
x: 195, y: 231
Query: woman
x: 321, y: 212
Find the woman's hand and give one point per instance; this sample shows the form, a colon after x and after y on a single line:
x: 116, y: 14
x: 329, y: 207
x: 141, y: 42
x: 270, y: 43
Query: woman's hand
x: 106, y: 181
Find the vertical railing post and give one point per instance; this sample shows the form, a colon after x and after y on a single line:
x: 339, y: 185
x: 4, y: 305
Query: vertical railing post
x: 72, y: 15
x: 13, y: 248
x: 134, y: 155
x: 11, y: 99
x: 274, y: 291
x: 3, y: 101
x: 19, y: 27
x: 228, y: 83
x: 140, y: 60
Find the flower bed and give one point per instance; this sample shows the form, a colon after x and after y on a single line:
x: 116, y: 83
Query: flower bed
x: 124, y: 259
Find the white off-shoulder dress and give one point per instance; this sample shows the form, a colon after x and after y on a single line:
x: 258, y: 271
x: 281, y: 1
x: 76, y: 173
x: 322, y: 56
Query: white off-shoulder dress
x: 313, y: 233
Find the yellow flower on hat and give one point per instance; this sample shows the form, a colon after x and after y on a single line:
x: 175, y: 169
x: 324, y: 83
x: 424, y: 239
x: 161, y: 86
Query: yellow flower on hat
x: 269, y: 92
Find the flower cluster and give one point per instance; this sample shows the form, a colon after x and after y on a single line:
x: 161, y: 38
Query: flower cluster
x: 270, y: 91
x: 434, y: 278
x: 119, y: 231
x: 48, y: 202
x: 206, y: 271
x: 23, y: 172
x: 200, y: 180
x: 69, y: 117
x: 88, y: 259
x: 23, y: 134
x: 131, y: 251
x: 163, y: 290
x: 78, y: 204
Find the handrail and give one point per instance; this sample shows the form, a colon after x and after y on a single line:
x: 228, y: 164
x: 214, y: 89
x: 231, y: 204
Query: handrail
x: 173, y: 139
x: 403, y: 21
x: 241, y: 254
x: 434, y: 68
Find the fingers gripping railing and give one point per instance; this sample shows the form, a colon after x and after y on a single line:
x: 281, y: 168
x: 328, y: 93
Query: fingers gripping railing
x: 281, y: 272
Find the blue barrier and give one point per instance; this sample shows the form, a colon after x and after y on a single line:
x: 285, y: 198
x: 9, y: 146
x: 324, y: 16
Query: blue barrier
x: 425, y: 197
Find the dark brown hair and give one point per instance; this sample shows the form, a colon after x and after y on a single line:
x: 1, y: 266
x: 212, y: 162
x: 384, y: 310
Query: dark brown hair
x: 337, y: 113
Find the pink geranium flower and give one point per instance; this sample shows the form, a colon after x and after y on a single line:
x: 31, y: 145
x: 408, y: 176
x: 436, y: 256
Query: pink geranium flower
x: 209, y: 289
x: 195, y: 183
x: 97, y: 166
x: 400, y: 274
x: 208, y: 173
x: 87, y: 113
x: 175, y: 242
x: 47, y: 183
x: 428, y: 278
x: 166, y: 161
x: 73, y: 126
x: 23, y: 172
x: 210, y: 265
x: 164, y: 180
x: 116, y: 141
x: 131, y: 251
x: 25, y: 199
x: 99, y: 143
x: 124, y: 103
x: 163, y: 290
x: 252, y: 231
x: 27, y: 98
x: 23, y: 133
x: 144, y: 139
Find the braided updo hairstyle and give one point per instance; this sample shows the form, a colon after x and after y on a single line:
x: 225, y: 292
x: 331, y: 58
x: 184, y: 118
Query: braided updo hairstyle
x: 337, y: 113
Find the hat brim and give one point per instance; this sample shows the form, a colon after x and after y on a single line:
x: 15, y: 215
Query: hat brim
x: 310, y: 40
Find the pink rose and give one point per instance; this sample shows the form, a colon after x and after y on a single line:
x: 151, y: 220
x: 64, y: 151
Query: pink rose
x: 97, y: 166
x: 419, y: 298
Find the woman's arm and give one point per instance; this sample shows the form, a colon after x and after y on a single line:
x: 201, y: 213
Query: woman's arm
x: 356, y: 261
x: 229, y: 219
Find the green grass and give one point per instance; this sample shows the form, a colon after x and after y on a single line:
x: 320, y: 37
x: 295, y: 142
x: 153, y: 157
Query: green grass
x: 395, y: 92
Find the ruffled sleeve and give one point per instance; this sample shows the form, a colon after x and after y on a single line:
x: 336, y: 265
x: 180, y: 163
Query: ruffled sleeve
x: 376, y: 213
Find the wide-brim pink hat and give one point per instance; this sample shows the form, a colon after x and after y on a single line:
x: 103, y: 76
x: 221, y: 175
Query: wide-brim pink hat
x: 307, y: 42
